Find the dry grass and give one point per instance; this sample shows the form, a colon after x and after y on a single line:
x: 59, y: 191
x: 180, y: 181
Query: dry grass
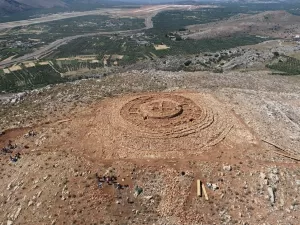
x: 161, y: 47
x: 29, y: 64
x: 44, y: 63
x: 6, y: 71
x: 15, y: 68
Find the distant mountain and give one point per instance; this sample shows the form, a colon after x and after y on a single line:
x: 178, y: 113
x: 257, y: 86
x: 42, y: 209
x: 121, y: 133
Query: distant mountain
x: 42, y: 3
x: 13, y: 6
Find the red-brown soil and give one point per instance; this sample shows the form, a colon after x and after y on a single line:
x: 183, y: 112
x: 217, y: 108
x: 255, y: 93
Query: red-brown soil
x: 154, y: 125
x: 145, y: 139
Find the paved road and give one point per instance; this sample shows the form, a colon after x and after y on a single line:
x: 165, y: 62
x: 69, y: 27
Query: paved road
x: 149, y: 12
x: 58, y: 16
x: 105, y: 11
x: 54, y: 45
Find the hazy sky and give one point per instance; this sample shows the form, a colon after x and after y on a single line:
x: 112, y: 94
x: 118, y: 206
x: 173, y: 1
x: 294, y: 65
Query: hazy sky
x: 153, y: 1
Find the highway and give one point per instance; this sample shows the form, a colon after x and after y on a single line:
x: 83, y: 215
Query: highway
x: 114, y: 12
x: 145, y: 12
x: 54, y: 45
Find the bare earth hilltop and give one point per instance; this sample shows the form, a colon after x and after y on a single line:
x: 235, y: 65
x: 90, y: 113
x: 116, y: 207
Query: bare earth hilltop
x: 237, y: 132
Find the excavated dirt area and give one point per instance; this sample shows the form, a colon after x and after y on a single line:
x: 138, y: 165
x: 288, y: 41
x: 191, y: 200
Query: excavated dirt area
x: 239, y: 138
x: 154, y: 125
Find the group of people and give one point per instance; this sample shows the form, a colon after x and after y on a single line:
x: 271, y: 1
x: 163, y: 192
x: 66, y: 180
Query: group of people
x: 31, y: 133
x: 9, y: 149
x: 16, y: 157
x: 110, y: 180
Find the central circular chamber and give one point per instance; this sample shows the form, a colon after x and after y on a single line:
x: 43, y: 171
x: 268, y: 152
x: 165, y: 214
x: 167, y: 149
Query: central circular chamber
x: 164, y: 115
x: 160, y: 109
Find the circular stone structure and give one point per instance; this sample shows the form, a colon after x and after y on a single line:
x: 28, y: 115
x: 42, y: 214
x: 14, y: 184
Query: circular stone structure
x: 155, y: 125
x: 165, y: 116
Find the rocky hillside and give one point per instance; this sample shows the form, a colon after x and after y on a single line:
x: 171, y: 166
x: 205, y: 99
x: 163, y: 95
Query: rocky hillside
x: 275, y: 24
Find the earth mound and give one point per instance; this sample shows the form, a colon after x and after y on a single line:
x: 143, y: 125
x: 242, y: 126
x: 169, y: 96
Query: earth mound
x: 169, y: 116
x: 155, y: 125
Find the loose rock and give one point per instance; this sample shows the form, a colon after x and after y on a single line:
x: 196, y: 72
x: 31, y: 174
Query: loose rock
x: 228, y: 168
x: 271, y: 194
